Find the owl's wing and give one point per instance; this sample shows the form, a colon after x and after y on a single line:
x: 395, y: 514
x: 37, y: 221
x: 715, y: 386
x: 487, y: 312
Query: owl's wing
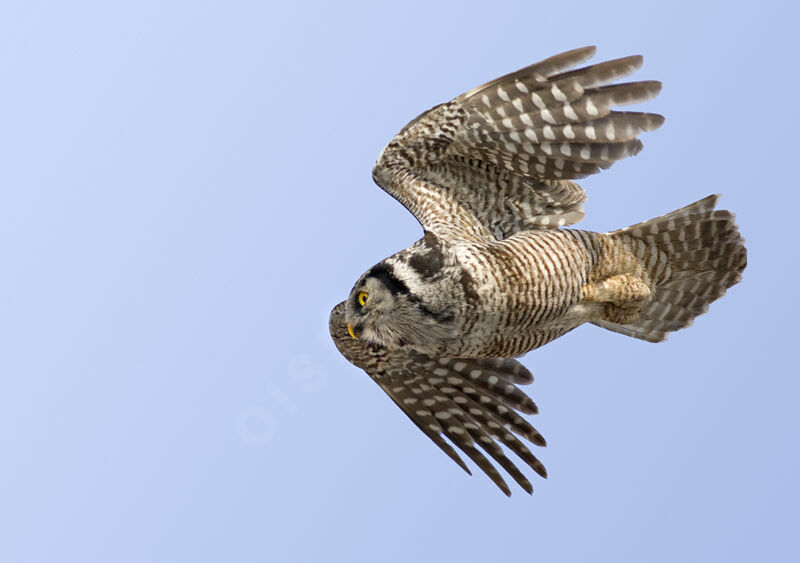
x: 501, y: 158
x: 472, y: 402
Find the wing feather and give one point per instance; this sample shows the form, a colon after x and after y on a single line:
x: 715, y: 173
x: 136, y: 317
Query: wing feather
x: 501, y: 157
x: 469, y: 403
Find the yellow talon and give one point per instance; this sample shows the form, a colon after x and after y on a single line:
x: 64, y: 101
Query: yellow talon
x: 350, y: 330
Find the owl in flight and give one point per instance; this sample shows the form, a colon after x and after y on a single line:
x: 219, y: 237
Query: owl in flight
x: 490, y: 177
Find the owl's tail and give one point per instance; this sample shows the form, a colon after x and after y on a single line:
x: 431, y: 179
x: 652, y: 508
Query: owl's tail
x: 700, y: 254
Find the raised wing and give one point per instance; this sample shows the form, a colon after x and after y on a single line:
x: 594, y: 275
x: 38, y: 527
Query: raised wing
x: 471, y: 402
x: 500, y: 158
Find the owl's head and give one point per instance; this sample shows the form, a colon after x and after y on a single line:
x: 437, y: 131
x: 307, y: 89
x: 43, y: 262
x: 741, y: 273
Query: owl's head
x: 384, y: 311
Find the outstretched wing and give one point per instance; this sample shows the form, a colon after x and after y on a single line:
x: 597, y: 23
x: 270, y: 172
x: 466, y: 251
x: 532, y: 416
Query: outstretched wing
x: 471, y: 402
x: 501, y: 158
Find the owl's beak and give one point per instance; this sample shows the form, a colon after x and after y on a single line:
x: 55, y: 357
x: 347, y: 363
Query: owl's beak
x: 351, y: 331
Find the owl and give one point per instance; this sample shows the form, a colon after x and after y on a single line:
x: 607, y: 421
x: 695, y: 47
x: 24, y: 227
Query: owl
x: 490, y: 178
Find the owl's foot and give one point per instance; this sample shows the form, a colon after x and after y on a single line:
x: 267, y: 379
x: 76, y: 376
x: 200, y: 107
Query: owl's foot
x: 622, y: 295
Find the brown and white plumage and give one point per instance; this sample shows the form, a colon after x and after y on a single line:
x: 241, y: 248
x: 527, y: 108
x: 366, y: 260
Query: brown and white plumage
x: 473, y: 402
x: 489, y: 176
x: 499, y: 158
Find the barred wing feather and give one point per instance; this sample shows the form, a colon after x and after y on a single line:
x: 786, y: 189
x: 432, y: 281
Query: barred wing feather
x: 473, y: 403
x: 502, y: 157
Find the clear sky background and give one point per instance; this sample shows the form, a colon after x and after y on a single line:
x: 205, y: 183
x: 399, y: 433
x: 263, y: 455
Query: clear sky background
x: 185, y: 192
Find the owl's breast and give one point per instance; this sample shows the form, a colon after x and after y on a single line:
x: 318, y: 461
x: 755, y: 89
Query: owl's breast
x: 519, y: 292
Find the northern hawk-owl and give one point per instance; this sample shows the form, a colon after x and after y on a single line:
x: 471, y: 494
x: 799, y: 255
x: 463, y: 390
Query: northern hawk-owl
x: 489, y: 176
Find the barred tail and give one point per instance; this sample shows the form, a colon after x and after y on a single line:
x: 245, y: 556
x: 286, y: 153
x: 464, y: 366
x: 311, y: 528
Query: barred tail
x: 705, y: 255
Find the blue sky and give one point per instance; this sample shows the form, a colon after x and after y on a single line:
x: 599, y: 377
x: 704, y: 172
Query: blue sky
x: 185, y: 192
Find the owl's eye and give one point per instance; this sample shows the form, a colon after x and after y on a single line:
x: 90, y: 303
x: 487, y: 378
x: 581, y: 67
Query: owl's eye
x: 362, y: 298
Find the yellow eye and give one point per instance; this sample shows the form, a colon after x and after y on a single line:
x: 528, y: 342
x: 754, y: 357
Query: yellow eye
x: 362, y: 298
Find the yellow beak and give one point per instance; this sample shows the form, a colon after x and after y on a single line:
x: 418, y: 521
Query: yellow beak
x: 350, y: 330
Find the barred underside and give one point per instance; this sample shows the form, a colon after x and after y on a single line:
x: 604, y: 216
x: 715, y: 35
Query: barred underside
x: 529, y: 282
x: 704, y: 255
